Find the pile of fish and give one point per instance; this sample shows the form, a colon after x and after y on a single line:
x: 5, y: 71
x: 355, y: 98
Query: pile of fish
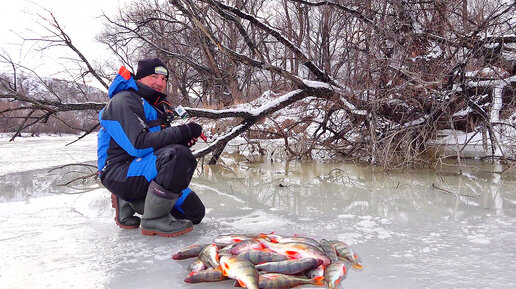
x: 269, y: 261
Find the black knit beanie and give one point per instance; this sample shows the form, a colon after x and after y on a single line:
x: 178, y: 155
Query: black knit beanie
x: 150, y: 66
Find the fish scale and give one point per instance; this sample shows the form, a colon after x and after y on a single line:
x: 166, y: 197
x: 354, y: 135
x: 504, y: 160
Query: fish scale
x: 345, y: 251
x: 245, y: 245
x: 329, y: 250
x: 334, y: 273
x: 290, y: 266
x: 260, y: 256
x: 241, y: 270
x: 208, y: 275
x: 281, y: 281
x: 189, y: 252
x: 296, y: 250
x: 317, y: 272
x: 196, y: 266
x: 209, y: 255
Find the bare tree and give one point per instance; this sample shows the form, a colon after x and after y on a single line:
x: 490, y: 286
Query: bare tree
x: 29, y: 102
x: 375, y: 81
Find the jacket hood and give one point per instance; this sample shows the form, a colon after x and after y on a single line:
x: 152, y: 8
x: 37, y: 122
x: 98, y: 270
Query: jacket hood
x: 123, y: 81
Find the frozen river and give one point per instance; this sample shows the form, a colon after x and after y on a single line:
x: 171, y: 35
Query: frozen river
x: 413, y: 229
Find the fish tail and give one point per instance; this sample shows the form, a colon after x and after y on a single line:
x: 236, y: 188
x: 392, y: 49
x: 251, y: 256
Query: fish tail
x: 357, y: 266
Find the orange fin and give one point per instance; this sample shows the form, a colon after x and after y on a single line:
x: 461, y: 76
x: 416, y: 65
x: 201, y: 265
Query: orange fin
x: 224, y: 269
x: 241, y: 283
x: 262, y: 249
x: 319, y: 280
x: 293, y: 254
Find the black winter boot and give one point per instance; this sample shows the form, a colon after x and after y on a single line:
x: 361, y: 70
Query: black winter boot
x: 157, y: 219
x: 124, y: 217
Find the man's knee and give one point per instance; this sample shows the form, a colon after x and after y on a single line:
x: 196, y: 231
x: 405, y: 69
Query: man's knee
x: 191, y: 208
x: 176, y: 155
x: 185, y: 154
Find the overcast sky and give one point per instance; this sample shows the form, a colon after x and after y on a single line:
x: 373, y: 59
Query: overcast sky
x: 79, y: 19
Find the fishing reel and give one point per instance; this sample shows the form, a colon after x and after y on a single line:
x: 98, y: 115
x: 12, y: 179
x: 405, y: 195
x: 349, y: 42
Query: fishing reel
x: 179, y: 111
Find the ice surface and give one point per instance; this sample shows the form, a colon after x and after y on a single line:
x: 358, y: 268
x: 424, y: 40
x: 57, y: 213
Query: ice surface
x: 30, y: 153
x: 407, y: 233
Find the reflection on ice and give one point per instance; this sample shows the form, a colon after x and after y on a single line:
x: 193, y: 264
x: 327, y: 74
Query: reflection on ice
x: 42, y: 182
x: 332, y: 189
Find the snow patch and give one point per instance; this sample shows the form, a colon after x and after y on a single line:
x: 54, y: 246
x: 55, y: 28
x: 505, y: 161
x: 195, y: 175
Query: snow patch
x: 351, y: 238
x: 94, y: 204
x: 367, y: 224
x: 204, y: 187
x: 257, y: 221
x: 345, y: 216
x: 370, y: 228
x: 478, y: 239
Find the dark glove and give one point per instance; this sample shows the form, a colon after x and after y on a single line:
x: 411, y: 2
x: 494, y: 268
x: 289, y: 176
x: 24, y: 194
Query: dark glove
x: 195, y: 129
x: 189, y: 133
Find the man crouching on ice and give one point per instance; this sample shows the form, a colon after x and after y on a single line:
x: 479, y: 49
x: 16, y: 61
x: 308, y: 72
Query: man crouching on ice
x: 144, y: 162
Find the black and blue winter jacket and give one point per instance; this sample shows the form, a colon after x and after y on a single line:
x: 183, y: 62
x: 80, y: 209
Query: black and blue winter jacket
x: 130, y: 126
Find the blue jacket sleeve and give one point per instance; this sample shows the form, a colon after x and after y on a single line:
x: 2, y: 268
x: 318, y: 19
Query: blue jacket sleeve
x: 124, y: 120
